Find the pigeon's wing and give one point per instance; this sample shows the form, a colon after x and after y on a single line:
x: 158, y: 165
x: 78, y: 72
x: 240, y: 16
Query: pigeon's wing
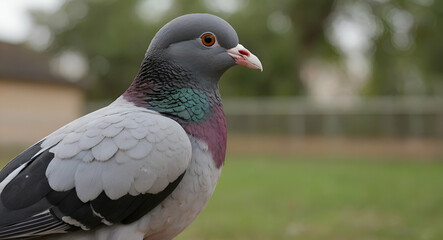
x: 111, y: 166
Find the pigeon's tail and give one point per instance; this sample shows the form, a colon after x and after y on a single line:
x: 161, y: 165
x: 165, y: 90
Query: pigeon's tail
x: 41, y: 224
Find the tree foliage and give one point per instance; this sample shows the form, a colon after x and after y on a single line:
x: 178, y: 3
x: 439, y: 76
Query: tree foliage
x: 113, y: 36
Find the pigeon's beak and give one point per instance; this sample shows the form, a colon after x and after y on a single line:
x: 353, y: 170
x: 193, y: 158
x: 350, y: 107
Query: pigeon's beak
x: 244, y: 57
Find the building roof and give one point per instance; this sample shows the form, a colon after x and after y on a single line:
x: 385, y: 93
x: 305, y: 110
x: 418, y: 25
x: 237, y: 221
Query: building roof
x: 20, y: 63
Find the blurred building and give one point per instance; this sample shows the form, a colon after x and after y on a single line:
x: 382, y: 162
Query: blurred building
x: 33, y: 101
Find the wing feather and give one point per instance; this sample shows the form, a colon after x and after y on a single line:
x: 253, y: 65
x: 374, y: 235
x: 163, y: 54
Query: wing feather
x: 110, y: 166
x: 88, y: 182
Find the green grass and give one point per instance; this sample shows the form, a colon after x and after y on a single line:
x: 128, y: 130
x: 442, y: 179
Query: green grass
x: 271, y: 198
x: 322, y: 198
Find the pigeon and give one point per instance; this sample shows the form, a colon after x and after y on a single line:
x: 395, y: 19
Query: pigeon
x: 144, y: 166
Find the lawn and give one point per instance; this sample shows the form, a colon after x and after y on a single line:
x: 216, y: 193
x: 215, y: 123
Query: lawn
x: 318, y: 198
x: 328, y: 198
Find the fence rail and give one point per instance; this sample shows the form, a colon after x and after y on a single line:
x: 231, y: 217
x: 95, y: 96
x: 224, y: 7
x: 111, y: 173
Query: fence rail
x: 363, y: 117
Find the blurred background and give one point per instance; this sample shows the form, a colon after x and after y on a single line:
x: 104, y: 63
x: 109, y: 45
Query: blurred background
x: 340, y: 137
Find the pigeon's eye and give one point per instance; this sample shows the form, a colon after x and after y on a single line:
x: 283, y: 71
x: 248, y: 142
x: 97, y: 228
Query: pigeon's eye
x: 208, y: 39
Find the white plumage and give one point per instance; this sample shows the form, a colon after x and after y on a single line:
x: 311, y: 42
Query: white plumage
x: 122, y: 150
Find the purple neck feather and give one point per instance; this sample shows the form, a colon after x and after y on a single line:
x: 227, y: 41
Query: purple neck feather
x: 194, y: 104
x: 213, y: 132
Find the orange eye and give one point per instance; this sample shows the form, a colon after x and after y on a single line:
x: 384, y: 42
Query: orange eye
x: 208, y: 39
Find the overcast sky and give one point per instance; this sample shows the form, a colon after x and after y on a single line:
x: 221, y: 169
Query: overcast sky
x: 15, y: 23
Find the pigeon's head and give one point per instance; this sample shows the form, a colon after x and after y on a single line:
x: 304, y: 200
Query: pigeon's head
x: 202, y: 44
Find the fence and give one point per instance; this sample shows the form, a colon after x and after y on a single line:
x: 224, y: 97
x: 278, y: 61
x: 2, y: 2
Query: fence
x: 364, y: 117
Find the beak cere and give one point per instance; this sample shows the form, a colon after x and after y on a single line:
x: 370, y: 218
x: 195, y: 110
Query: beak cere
x: 244, y: 57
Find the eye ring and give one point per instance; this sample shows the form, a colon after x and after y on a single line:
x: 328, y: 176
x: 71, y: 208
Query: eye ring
x: 208, y: 39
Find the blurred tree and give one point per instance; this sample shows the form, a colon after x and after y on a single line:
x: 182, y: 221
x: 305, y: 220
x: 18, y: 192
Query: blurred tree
x: 407, y: 55
x: 113, y: 35
x: 110, y: 36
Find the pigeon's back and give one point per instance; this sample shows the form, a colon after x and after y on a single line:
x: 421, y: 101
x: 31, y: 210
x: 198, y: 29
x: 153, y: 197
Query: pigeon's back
x: 107, y: 168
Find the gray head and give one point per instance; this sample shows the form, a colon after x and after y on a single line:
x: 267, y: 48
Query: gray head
x: 203, y: 44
